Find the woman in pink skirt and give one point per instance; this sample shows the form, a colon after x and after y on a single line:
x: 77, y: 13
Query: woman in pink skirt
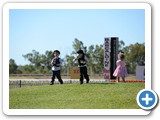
x: 121, y: 70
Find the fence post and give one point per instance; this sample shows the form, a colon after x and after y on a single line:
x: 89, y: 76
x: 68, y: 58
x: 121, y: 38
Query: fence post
x: 20, y: 83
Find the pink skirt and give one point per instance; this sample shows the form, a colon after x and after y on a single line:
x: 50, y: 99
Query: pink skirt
x: 120, y: 72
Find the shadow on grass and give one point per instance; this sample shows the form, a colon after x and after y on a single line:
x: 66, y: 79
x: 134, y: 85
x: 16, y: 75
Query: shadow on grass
x: 104, y: 83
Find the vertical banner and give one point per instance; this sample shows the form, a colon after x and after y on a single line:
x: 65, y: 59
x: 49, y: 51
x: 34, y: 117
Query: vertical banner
x: 106, y: 59
x: 113, y: 55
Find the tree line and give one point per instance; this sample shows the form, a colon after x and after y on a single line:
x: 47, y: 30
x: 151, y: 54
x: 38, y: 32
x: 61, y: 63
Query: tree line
x: 40, y: 63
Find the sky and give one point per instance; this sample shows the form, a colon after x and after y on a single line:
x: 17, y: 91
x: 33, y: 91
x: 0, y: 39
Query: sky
x: 47, y: 29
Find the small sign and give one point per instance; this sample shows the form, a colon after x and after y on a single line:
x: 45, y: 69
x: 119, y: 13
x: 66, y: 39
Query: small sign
x: 140, y: 72
x: 74, y: 74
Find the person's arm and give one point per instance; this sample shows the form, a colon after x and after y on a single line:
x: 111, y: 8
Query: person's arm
x: 52, y: 62
x: 118, y: 62
x: 75, y: 59
x: 85, y: 60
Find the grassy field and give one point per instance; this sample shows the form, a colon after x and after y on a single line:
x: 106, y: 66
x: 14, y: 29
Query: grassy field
x: 76, y: 96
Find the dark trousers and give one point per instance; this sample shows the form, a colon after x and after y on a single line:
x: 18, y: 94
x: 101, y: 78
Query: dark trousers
x: 58, y: 75
x: 83, y: 72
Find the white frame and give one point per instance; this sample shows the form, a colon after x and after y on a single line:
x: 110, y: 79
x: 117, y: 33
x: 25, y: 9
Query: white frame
x: 8, y: 6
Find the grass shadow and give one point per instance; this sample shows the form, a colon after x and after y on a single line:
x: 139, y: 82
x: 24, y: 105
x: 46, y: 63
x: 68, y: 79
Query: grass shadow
x: 103, y: 83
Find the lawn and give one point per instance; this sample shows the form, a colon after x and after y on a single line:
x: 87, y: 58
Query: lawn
x: 76, y: 96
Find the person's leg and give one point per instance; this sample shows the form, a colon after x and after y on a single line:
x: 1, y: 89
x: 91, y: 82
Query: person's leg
x: 53, y: 78
x: 123, y: 73
x: 81, y: 75
x: 123, y: 78
x: 86, y: 75
x: 58, y: 74
x: 118, y: 78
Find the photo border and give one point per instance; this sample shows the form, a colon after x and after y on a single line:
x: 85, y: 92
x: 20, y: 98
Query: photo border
x: 9, y: 6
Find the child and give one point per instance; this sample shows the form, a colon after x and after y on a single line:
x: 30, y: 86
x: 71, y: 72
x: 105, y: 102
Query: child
x: 82, y: 60
x: 121, y: 70
x: 56, y: 62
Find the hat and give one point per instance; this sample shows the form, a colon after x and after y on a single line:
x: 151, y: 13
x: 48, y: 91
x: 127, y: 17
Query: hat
x: 57, y: 52
x: 80, y: 51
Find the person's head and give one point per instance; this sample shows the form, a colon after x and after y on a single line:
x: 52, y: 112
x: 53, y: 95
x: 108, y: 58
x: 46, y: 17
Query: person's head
x: 120, y: 51
x: 80, y: 53
x: 56, y: 53
x: 121, y: 56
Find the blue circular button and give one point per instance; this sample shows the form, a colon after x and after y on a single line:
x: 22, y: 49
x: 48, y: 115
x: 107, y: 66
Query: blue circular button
x: 147, y: 99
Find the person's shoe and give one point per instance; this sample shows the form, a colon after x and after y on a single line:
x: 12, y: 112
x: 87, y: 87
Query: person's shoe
x: 51, y: 83
x: 87, y: 81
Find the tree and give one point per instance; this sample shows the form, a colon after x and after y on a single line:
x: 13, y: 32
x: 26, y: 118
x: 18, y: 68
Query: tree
x: 121, y: 45
x: 28, y: 69
x: 12, y: 66
x: 34, y: 58
x: 134, y: 55
x: 46, y: 59
x: 96, y: 58
x: 94, y: 54
x: 40, y: 62
x: 77, y: 45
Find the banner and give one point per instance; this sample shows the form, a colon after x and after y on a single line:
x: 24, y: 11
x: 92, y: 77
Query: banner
x: 113, y: 55
x: 107, y: 59
x: 74, y: 74
x: 110, y: 57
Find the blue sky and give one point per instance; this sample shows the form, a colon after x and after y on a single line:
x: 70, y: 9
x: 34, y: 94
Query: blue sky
x: 43, y: 30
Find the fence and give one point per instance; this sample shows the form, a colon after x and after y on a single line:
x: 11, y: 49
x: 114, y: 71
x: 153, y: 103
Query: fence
x: 48, y: 76
x: 21, y: 83
x: 26, y: 83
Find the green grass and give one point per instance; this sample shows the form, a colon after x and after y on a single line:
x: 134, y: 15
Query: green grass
x: 76, y: 96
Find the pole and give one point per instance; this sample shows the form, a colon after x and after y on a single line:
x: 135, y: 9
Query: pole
x: 20, y: 83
